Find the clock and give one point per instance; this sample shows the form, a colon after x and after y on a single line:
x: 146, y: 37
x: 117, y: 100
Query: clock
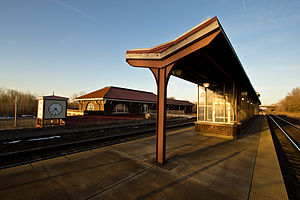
x: 55, y: 108
x: 52, y: 110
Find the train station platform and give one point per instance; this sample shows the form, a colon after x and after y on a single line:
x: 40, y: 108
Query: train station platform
x: 198, y: 167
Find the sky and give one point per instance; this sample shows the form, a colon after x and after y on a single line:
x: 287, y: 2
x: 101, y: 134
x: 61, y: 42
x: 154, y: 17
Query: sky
x: 73, y: 46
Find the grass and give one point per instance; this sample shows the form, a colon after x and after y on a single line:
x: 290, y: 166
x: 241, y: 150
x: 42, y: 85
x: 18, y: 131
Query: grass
x: 21, y: 123
x: 288, y: 114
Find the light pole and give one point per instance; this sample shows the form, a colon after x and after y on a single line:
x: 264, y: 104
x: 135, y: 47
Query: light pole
x: 16, y: 107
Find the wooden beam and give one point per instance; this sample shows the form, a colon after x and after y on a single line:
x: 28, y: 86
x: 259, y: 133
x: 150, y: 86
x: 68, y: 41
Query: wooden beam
x: 161, y: 76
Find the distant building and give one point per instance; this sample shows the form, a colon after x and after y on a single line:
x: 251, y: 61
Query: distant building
x: 115, y: 100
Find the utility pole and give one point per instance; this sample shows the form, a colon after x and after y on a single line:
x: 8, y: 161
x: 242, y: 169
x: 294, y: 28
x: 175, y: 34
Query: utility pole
x: 16, y: 107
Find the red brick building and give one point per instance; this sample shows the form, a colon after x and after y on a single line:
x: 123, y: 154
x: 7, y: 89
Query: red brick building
x: 114, y: 100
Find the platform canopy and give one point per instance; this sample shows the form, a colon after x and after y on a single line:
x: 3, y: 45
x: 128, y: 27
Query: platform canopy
x: 204, y: 54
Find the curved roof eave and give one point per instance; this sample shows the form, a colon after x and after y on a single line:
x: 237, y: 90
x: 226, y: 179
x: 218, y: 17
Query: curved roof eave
x: 162, y: 52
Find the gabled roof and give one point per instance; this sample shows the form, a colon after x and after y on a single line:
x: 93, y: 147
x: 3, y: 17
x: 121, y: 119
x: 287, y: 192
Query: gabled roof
x: 130, y: 94
x: 98, y: 94
x: 124, y: 94
x: 178, y: 102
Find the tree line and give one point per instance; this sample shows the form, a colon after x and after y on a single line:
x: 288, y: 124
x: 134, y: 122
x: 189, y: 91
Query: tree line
x: 291, y: 103
x: 26, y: 102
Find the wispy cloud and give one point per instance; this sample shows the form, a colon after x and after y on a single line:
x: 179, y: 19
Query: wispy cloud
x: 76, y: 11
x: 4, y: 42
x: 244, y: 5
x: 287, y: 68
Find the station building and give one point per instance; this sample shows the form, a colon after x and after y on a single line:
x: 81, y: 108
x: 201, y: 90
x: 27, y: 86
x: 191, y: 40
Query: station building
x: 122, y: 101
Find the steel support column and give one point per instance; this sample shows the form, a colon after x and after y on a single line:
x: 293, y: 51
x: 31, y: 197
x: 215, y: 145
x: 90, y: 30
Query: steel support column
x: 162, y: 76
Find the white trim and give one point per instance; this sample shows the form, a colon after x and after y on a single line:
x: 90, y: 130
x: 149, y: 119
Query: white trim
x: 127, y: 100
x: 91, y: 99
x: 146, y: 102
x: 157, y: 56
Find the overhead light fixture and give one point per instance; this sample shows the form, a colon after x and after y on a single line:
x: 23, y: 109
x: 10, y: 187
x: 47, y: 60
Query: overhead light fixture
x: 177, y: 72
x: 243, y: 99
x: 206, y: 85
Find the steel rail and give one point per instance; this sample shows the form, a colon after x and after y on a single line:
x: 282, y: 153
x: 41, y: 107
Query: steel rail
x: 287, y: 122
x: 285, y: 133
x: 60, y: 146
x: 85, y: 129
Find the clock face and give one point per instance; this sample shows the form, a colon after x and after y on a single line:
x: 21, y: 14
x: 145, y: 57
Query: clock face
x: 55, y: 109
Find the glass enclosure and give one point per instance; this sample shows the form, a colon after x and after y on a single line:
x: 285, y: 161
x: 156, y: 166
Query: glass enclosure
x: 220, y: 103
x: 248, y: 108
x: 216, y: 103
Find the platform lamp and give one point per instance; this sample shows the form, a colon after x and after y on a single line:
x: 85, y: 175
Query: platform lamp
x: 177, y: 72
x: 206, y: 85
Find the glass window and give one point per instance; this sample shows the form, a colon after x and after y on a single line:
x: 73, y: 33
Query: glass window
x: 145, y: 108
x: 90, y: 106
x: 215, y: 103
x: 120, y: 108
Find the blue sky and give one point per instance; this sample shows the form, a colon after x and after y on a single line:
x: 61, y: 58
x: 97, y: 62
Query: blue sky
x: 68, y: 46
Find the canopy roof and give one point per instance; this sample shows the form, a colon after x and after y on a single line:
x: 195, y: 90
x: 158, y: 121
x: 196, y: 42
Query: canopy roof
x: 203, y: 54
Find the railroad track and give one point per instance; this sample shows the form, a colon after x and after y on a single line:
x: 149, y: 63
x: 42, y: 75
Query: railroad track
x: 15, y: 158
x: 286, y: 137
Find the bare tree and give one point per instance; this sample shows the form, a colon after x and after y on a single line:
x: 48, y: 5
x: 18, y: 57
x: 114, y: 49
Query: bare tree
x: 27, y: 103
x: 72, y: 104
x: 291, y: 103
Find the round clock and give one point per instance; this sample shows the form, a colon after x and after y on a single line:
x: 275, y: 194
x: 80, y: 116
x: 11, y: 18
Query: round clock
x: 55, y: 109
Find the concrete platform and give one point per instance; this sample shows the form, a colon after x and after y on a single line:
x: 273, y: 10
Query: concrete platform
x: 198, y: 167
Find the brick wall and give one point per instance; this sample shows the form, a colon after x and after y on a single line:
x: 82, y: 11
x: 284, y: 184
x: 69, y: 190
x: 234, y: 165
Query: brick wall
x: 216, y: 129
x: 227, y: 130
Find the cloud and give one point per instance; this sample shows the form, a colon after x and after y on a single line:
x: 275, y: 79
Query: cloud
x: 244, y: 5
x: 4, y: 42
x: 76, y: 11
x: 287, y: 68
